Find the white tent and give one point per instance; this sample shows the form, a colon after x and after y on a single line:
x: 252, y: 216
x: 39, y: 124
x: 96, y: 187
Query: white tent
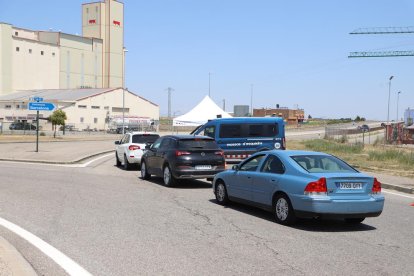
x: 201, y: 113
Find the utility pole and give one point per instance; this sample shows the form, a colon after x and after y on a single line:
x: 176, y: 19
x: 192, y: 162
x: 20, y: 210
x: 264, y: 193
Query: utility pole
x: 169, y: 89
x: 224, y: 104
x: 251, y: 100
x: 209, y: 76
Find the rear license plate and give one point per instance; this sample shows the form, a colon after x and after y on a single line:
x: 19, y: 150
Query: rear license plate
x: 203, y: 167
x: 350, y: 186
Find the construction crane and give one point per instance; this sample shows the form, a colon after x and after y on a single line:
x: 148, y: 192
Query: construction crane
x: 382, y: 30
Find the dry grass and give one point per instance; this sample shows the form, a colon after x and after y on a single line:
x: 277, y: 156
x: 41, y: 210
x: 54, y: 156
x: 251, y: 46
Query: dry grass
x: 392, y: 160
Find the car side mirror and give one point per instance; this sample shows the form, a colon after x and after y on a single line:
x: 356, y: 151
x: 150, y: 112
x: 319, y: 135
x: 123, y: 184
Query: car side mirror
x: 117, y: 143
x: 235, y: 168
x: 147, y: 146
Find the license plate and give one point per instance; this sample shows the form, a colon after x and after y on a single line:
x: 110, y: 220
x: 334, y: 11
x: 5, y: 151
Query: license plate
x: 203, y: 167
x: 350, y: 186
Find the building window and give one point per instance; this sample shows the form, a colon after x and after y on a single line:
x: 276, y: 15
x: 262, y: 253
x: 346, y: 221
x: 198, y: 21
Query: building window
x: 17, y: 106
x: 106, y: 107
x: 81, y: 119
x: 96, y: 8
x: 81, y: 106
x: 87, y: 10
x: 95, y: 107
x: 42, y: 53
x: 53, y: 54
x: 17, y: 49
x: 30, y: 51
x: 8, y: 106
x: 95, y: 120
x: 16, y: 33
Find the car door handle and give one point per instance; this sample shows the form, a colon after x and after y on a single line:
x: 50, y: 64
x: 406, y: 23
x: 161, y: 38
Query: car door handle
x: 274, y: 180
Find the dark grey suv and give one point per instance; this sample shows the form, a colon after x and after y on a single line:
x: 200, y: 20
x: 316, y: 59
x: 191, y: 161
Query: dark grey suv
x: 176, y: 157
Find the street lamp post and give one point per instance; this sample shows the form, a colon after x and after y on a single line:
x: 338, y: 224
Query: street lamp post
x: 388, y: 112
x: 389, y: 96
x: 398, y: 98
x: 123, y: 90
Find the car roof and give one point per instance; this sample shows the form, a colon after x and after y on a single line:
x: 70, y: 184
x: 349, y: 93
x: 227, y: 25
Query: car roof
x: 188, y: 136
x: 289, y: 153
x: 247, y: 119
x: 142, y: 132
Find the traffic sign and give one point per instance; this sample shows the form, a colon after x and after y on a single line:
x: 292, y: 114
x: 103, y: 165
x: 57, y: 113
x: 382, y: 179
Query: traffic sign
x: 41, y: 106
x: 36, y: 99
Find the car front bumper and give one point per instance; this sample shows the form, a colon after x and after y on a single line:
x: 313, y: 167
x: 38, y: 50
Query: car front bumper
x: 340, y: 208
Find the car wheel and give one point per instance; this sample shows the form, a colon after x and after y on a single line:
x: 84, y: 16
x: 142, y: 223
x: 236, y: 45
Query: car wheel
x: 127, y: 165
x: 354, y: 220
x: 169, y: 180
x: 118, y: 162
x: 221, y: 193
x: 284, y: 213
x: 144, y: 172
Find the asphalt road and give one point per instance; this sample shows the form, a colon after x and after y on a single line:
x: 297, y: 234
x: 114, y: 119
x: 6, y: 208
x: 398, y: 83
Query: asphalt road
x: 112, y: 223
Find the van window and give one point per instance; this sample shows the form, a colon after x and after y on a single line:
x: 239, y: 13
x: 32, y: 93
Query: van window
x: 230, y: 131
x: 263, y: 130
x: 248, y: 130
x: 210, y: 131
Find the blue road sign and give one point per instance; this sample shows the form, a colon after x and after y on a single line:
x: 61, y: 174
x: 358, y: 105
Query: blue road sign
x: 36, y: 99
x: 41, y: 106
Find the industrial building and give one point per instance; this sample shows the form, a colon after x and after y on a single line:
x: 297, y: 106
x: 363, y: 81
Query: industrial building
x: 93, y: 60
x: 86, y: 109
x: 87, y: 66
x: 291, y: 116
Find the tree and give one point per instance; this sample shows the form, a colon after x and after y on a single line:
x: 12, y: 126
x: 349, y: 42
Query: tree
x: 57, y: 118
x: 309, y: 116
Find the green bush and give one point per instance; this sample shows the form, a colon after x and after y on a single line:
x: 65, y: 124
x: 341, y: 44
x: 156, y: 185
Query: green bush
x: 42, y: 134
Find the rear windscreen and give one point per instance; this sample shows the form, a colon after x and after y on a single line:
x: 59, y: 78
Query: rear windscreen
x: 322, y: 163
x: 197, y: 144
x: 142, y: 139
x: 249, y: 130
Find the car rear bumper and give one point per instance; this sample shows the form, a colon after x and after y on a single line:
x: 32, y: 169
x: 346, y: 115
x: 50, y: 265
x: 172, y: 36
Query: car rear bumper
x: 328, y: 207
x: 196, y: 174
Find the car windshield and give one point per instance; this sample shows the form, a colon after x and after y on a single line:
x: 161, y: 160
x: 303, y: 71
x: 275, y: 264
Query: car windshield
x: 197, y: 143
x: 146, y: 138
x: 322, y: 163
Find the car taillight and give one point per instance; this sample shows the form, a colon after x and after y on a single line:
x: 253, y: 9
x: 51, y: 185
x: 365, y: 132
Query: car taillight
x: 221, y: 153
x: 134, y: 147
x: 180, y: 153
x: 316, y: 187
x: 376, y: 187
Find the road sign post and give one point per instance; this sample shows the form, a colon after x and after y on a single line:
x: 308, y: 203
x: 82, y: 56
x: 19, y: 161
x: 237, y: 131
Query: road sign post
x: 38, y: 104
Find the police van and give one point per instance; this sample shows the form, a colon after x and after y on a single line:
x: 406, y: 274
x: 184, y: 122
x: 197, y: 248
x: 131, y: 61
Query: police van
x: 240, y: 137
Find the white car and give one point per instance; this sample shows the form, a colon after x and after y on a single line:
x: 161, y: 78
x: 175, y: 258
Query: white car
x: 131, y: 147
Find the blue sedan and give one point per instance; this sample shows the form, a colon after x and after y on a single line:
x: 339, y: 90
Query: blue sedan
x: 303, y: 184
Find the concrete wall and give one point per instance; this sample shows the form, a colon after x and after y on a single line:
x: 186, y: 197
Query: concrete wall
x: 105, y: 20
x: 80, y: 62
x: 5, y: 59
x: 35, y: 65
x: 92, y: 111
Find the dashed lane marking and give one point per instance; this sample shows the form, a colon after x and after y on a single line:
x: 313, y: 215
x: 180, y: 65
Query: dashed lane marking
x: 61, y: 259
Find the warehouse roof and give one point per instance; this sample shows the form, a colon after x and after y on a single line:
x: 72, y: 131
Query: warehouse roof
x: 63, y: 95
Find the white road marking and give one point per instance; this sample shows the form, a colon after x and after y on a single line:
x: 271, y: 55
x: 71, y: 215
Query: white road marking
x: 62, y: 165
x: 398, y: 194
x: 93, y: 160
x: 61, y: 259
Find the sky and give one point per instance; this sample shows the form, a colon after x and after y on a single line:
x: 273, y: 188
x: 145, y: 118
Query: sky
x: 268, y: 52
